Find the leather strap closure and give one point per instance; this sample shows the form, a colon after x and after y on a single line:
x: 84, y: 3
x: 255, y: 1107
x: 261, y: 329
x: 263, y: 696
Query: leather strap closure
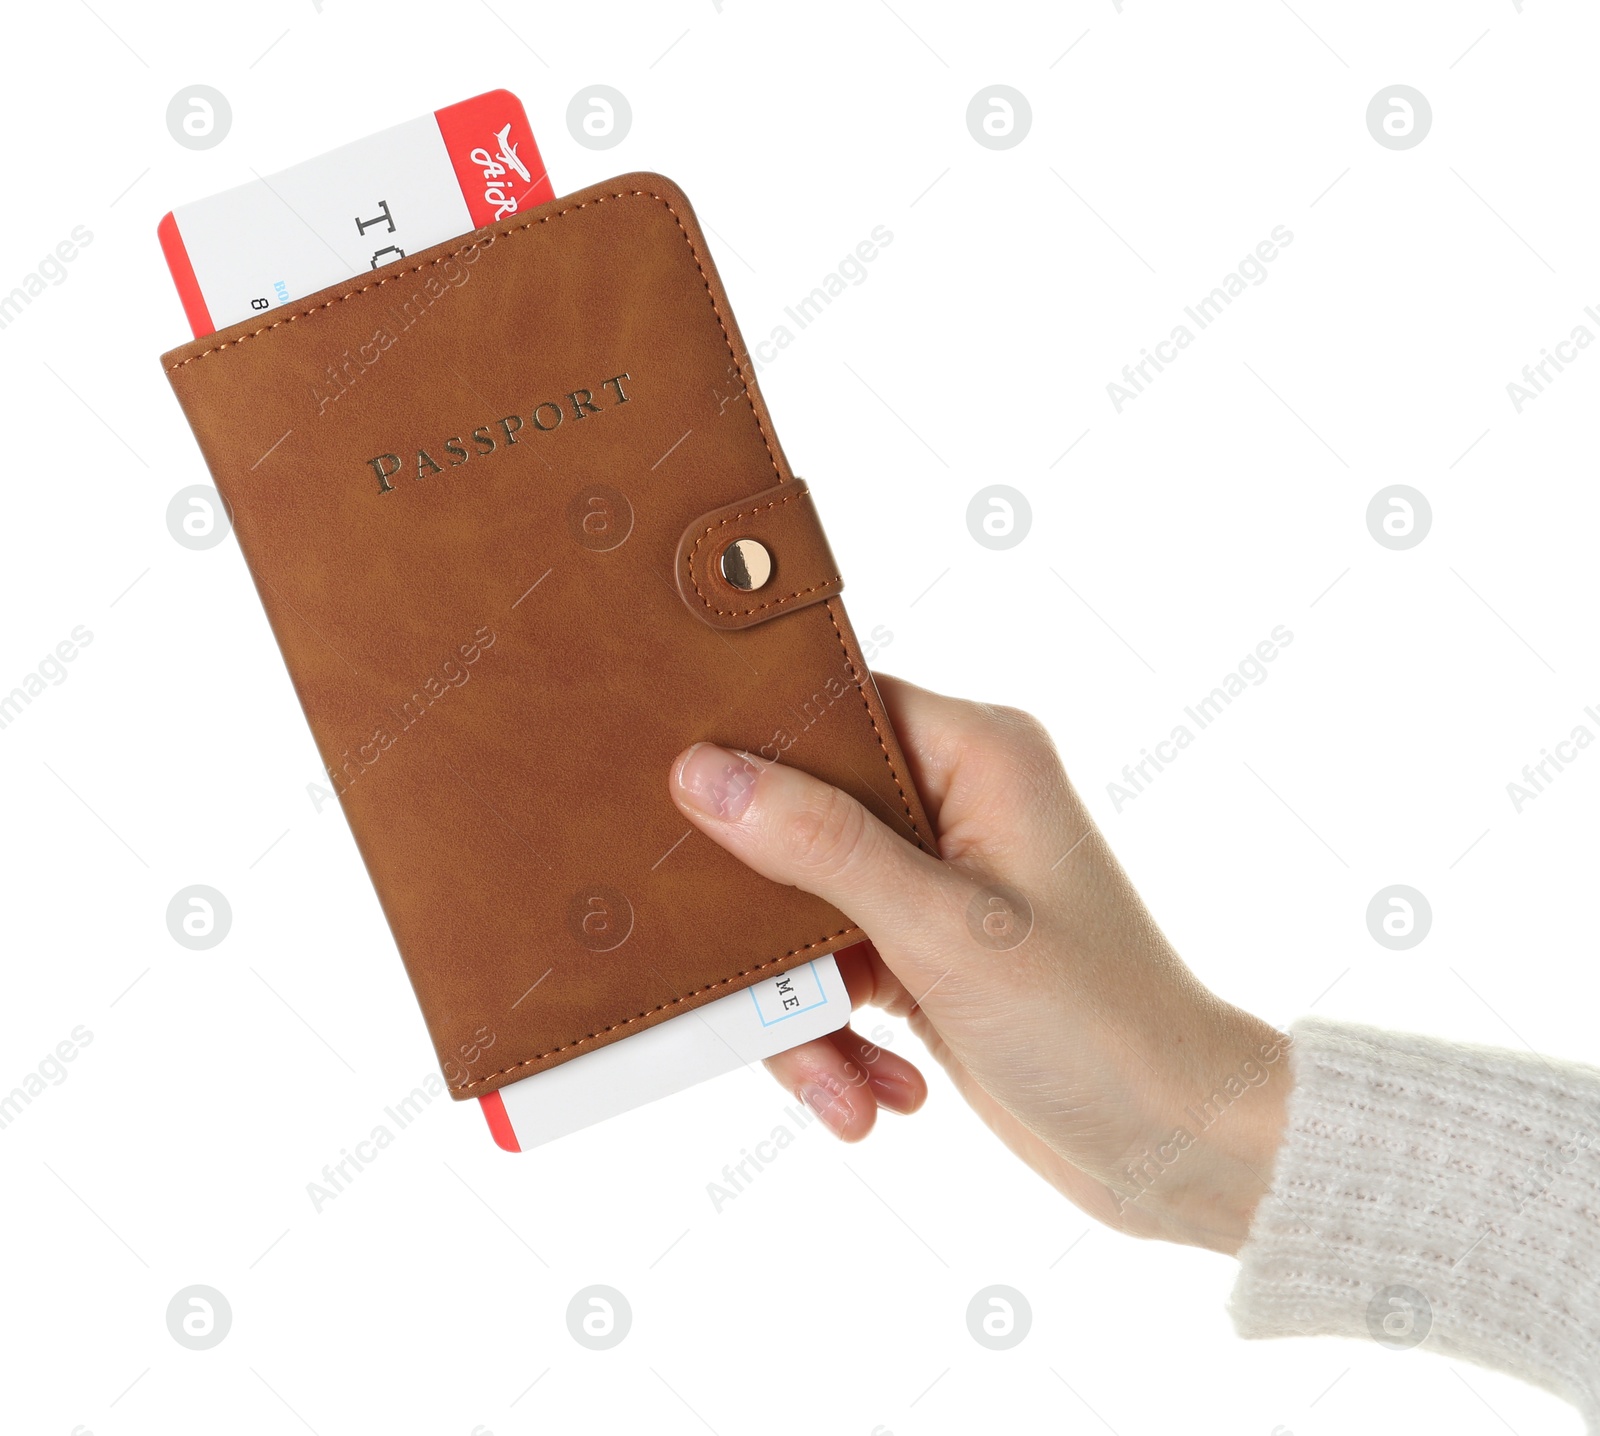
x: 783, y: 521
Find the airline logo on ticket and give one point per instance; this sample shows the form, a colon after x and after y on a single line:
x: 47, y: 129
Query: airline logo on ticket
x: 248, y: 250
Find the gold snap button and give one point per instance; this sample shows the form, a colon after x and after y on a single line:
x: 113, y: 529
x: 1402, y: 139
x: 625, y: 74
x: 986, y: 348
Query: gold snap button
x: 746, y: 564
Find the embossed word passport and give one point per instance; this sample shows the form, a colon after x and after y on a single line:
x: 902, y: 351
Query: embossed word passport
x: 536, y: 457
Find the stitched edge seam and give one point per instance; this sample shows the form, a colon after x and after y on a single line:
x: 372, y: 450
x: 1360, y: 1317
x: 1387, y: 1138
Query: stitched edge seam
x: 861, y: 692
x: 761, y: 428
x: 771, y: 603
x: 651, y: 1011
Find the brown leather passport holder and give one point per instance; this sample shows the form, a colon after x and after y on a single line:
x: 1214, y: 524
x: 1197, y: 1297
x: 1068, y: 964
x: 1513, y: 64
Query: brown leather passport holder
x: 487, y: 494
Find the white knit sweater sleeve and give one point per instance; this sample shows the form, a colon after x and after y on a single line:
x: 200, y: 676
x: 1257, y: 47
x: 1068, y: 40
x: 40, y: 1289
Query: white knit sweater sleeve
x: 1429, y: 1193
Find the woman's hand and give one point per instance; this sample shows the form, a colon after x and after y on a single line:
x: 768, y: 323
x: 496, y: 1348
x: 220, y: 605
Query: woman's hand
x: 1025, y: 961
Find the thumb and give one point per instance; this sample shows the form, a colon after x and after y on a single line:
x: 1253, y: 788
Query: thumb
x: 798, y: 830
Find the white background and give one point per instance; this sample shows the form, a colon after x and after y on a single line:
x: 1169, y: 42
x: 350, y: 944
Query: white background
x: 1167, y: 140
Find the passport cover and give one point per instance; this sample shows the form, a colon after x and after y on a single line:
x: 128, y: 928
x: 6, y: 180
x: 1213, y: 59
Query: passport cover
x: 483, y: 493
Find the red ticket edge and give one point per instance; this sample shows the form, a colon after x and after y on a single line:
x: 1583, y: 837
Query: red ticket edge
x: 494, y: 1109
x: 194, y: 304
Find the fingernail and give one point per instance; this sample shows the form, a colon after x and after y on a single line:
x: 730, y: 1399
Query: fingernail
x: 716, y: 782
x: 827, y: 1106
x: 895, y: 1094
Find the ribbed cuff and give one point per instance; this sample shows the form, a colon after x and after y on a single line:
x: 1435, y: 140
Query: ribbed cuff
x: 1434, y: 1194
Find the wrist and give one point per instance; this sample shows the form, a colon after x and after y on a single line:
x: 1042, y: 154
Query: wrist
x: 1215, y: 1135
